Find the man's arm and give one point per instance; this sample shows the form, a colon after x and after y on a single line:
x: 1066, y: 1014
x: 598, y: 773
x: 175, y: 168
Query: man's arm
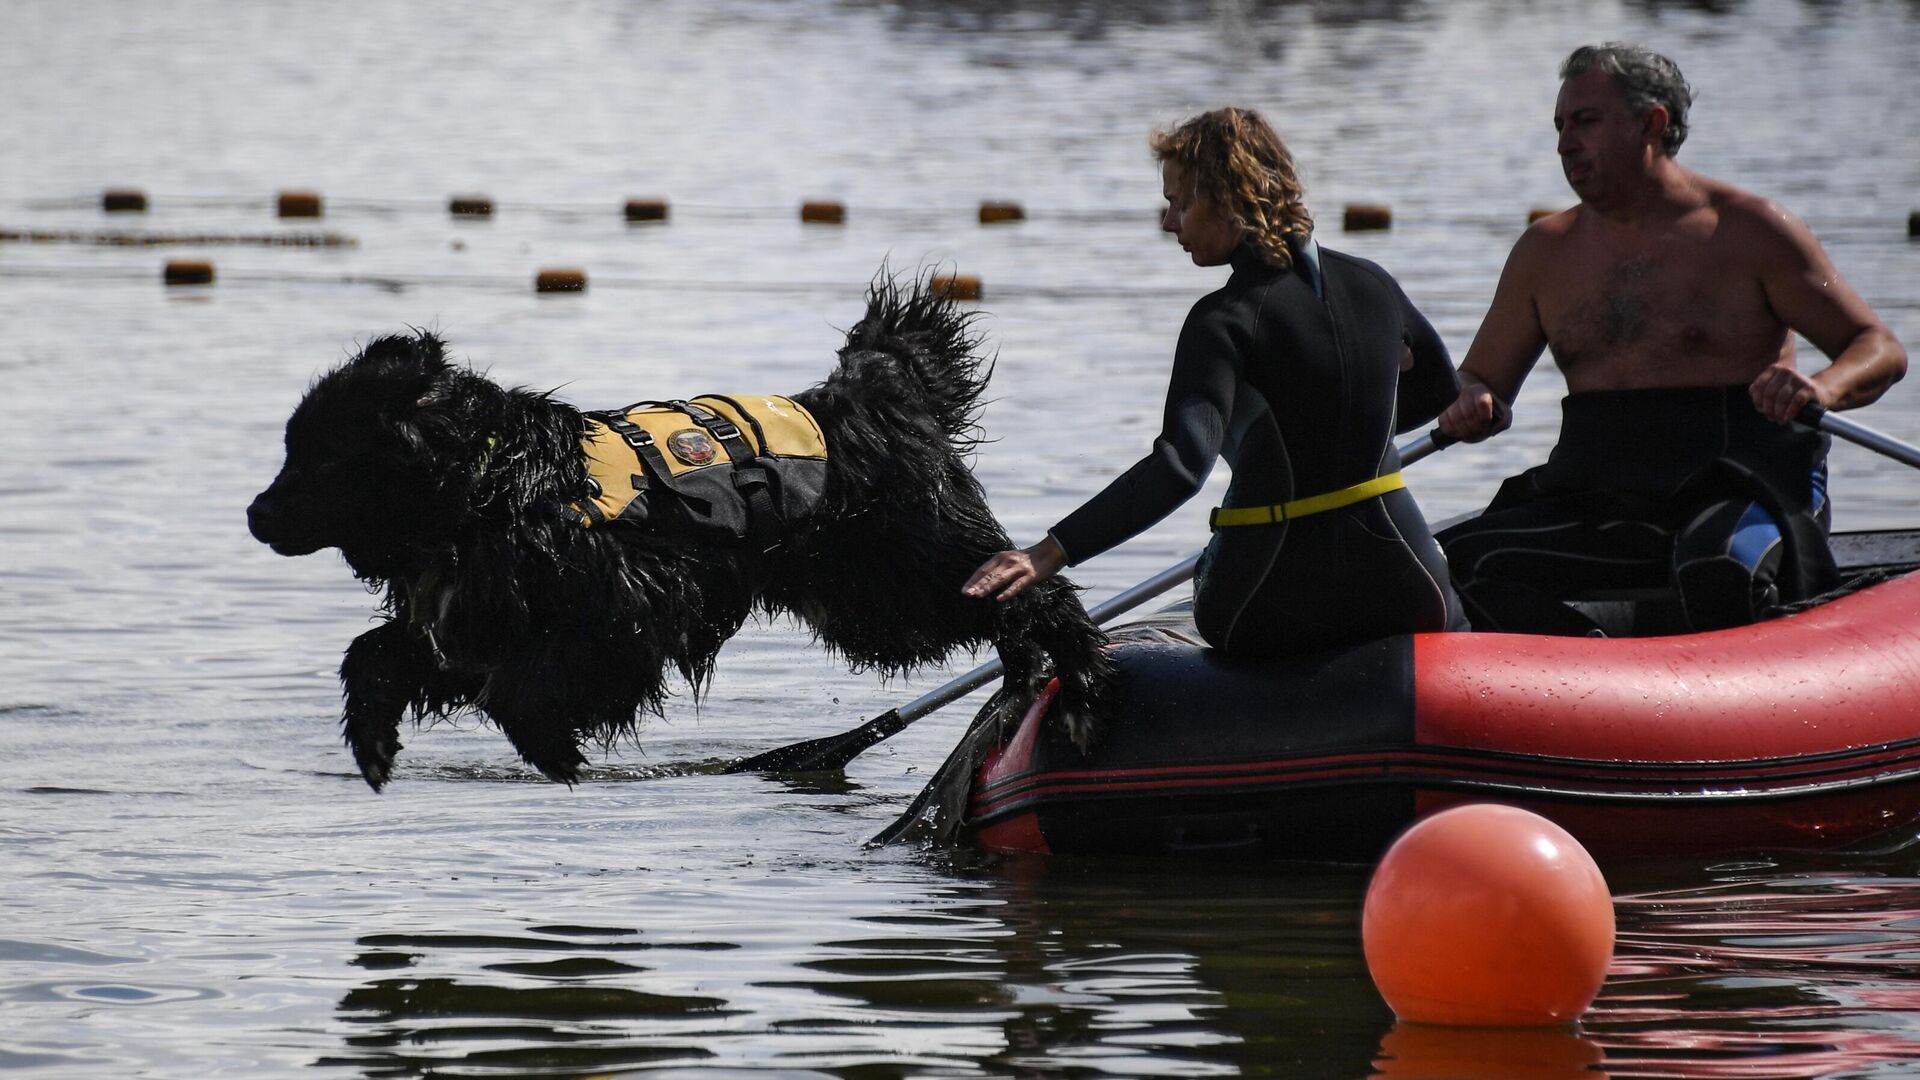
x: 1504, y: 349
x: 1809, y: 296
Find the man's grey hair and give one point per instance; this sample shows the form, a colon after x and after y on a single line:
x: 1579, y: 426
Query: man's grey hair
x: 1645, y: 77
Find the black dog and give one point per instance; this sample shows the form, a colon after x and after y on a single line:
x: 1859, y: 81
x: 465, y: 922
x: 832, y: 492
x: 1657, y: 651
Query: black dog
x: 460, y: 499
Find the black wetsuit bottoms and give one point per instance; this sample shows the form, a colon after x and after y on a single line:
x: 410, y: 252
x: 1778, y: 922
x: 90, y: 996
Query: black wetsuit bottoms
x: 1688, y: 489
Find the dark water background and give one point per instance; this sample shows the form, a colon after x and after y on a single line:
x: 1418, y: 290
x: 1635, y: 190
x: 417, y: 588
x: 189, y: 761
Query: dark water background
x: 194, y: 883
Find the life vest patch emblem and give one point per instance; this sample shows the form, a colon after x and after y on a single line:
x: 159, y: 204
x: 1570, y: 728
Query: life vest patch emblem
x: 692, y: 446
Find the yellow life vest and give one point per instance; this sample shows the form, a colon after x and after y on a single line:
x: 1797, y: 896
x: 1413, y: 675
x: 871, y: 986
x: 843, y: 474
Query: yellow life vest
x: 717, y: 466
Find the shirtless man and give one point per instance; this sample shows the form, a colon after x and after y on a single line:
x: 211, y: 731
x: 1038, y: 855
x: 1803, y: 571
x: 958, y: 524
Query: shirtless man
x: 1669, y: 300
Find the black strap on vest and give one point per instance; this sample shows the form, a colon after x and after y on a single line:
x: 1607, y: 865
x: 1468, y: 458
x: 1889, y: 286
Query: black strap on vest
x: 759, y: 433
x: 642, y: 442
x: 723, y: 430
x: 751, y: 478
x: 766, y: 527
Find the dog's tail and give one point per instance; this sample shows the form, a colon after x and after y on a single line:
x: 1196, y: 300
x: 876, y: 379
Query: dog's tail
x: 922, y: 330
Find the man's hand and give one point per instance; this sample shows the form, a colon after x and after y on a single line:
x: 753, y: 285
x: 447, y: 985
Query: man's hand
x: 1781, y: 392
x: 1013, y: 571
x: 1477, y: 413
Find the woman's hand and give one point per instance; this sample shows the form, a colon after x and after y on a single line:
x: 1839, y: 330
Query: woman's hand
x: 1012, y: 572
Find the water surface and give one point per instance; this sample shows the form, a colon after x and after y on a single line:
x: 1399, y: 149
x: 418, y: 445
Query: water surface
x: 193, y: 881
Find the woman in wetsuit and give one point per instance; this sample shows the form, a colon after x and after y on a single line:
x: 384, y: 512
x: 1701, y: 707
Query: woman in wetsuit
x: 1298, y: 371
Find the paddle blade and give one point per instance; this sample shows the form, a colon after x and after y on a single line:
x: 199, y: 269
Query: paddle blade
x: 829, y: 753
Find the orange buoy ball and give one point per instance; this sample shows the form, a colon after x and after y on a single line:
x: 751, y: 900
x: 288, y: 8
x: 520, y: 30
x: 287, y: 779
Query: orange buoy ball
x: 955, y: 286
x: 646, y: 209
x: 821, y: 212
x: 560, y: 280
x: 470, y: 206
x: 1367, y: 217
x: 1487, y: 916
x: 997, y: 213
x: 300, y: 204
x: 187, y: 272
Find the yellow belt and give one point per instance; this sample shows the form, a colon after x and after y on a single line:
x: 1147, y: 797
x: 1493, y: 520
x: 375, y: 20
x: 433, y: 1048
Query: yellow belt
x: 1312, y: 504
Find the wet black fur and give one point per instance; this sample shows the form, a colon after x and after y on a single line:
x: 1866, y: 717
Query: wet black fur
x: 561, y: 635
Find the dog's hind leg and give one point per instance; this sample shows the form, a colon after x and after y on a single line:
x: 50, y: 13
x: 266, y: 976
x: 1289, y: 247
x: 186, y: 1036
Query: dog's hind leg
x: 385, y: 670
x: 1024, y: 662
x: 535, y: 701
x: 1048, y: 619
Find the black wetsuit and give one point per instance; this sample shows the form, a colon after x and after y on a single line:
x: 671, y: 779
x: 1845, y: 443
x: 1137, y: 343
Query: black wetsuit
x: 1302, y: 393
x: 1688, y: 488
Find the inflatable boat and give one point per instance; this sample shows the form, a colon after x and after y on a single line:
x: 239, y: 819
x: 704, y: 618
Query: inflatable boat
x: 1802, y: 732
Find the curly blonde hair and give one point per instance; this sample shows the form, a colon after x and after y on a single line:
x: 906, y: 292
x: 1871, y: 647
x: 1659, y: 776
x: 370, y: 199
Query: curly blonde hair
x: 1235, y: 161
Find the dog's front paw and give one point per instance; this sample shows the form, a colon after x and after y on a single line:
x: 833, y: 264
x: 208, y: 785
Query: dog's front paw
x: 374, y: 755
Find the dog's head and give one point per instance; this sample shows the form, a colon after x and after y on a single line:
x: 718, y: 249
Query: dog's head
x: 381, y: 455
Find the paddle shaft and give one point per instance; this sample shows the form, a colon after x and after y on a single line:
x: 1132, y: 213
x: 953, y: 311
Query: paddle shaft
x: 834, y: 751
x: 1859, y: 434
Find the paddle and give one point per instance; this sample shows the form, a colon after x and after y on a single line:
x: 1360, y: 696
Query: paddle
x: 1815, y: 416
x: 832, y: 752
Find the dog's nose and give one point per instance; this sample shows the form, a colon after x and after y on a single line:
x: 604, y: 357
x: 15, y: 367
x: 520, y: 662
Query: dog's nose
x: 260, y: 518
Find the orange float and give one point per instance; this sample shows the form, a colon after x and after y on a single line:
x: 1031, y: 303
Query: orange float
x: 1487, y: 916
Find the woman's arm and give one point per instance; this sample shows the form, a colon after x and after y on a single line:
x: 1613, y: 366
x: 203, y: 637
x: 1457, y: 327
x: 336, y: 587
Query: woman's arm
x: 1200, y: 395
